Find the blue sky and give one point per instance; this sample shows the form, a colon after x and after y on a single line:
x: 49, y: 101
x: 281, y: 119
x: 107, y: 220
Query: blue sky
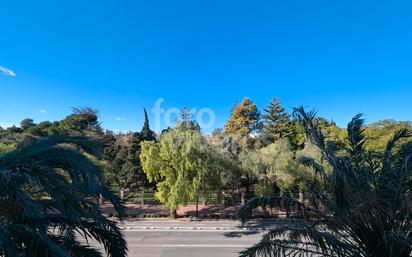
x: 341, y: 57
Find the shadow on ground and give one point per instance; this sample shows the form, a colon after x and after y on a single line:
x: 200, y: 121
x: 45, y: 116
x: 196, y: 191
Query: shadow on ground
x: 253, y: 227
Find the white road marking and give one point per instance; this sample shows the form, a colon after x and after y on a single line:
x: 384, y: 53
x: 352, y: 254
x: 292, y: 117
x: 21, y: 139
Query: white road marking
x: 187, y: 246
x: 186, y: 230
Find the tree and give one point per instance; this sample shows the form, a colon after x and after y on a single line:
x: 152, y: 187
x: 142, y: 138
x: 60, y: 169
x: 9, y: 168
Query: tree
x: 332, y: 132
x: 242, y: 123
x: 186, y: 121
x: 298, y: 139
x: 121, y: 173
x: 83, y: 120
x: 147, y: 134
x: 9, y: 139
x: 124, y: 167
x: 378, y: 133
x: 41, y: 129
x: 363, y: 208
x: 26, y: 123
x: 244, y: 119
x: 274, y: 168
x: 277, y: 122
x: 48, y: 207
x: 181, y: 166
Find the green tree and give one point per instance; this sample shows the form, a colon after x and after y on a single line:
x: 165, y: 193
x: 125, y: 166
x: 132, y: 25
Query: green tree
x: 26, y: 123
x: 121, y: 173
x: 186, y: 121
x: 361, y: 209
x: 244, y: 119
x: 298, y: 139
x: 124, y: 169
x: 180, y: 164
x: 378, y: 133
x: 332, y: 132
x: 41, y: 129
x: 146, y: 134
x: 274, y: 168
x: 81, y: 120
x: 277, y: 123
x: 48, y: 207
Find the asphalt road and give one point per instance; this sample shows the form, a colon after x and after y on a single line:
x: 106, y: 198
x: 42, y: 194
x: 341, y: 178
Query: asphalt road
x: 190, y: 239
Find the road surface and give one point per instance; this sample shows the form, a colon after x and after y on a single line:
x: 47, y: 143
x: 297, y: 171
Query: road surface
x: 190, y: 239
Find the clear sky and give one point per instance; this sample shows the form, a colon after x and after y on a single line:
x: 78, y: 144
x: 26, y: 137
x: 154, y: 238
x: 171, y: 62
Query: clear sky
x: 341, y: 57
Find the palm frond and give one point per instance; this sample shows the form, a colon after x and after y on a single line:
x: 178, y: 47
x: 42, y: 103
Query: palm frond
x: 283, y: 202
x: 365, y: 206
x: 49, y: 184
x: 282, y: 248
x: 319, y: 238
x: 356, y: 138
x: 403, y: 133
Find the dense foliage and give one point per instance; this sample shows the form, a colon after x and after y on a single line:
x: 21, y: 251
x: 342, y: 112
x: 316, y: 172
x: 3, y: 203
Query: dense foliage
x: 124, y: 171
x: 244, y: 119
x: 362, y: 208
x: 253, y: 155
x: 183, y: 166
x: 277, y: 124
x: 48, y: 200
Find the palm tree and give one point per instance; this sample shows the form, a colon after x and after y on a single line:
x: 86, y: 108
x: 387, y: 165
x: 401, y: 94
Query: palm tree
x: 48, y: 207
x: 363, y: 207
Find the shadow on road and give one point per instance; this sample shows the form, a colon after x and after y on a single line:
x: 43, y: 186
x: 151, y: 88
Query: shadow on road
x: 240, y: 234
x: 253, y: 227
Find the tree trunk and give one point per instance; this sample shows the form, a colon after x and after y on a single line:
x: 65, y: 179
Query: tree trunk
x: 173, y: 214
x: 222, y: 205
x: 142, y: 199
x: 122, y: 193
x: 243, y: 197
x: 197, y: 206
x: 301, y: 197
x: 100, y: 200
x: 246, y: 194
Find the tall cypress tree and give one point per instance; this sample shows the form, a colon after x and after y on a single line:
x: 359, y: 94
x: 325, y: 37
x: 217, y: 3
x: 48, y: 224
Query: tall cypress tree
x: 147, y: 134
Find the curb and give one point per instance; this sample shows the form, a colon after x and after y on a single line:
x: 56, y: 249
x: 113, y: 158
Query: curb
x: 206, y: 229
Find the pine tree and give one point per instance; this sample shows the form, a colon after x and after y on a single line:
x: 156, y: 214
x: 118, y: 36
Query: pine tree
x: 277, y: 124
x: 186, y: 121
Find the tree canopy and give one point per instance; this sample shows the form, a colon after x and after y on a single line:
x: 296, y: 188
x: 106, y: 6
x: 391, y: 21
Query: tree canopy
x: 362, y: 208
x: 183, y: 166
x: 277, y: 123
x: 244, y: 119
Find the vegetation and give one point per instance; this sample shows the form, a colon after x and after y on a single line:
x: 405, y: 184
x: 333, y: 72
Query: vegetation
x: 348, y: 190
x: 274, y: 167
x: 244, y: 119
x: 183, y: 166
x: 48, y: 199
x: 277, y: 124
x: 124, y: 171
x: 249, y: 145
x: 361, y: 208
